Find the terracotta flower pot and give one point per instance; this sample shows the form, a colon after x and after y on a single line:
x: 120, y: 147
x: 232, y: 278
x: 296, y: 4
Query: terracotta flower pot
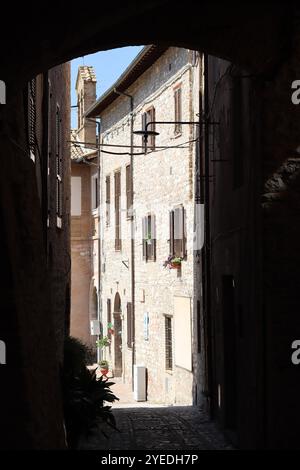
x: 104, y: 371
x: 175, y: 265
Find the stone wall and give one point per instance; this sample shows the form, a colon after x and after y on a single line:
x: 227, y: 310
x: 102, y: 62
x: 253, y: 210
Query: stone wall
x: 162, y: 180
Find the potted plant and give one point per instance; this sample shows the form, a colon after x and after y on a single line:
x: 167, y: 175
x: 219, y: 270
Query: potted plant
x: 103, y: 342
x: 110, y: 328
x: 103, y: 367
x: 173, y: 262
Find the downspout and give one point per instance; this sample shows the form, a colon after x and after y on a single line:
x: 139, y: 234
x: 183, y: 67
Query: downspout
x: 132, y: 263
x: 99, y: 351
x: 206, y: 251
x: 99, y: 306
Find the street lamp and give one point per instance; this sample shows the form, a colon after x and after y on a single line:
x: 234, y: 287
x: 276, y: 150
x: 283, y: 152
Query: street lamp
x: 147, y: 132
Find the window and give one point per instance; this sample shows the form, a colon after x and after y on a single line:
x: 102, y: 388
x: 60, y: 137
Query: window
x: 107, y: 191
x: 108, y: 317
x: 149, y: 116
x: 129, y: 325
x: 76, y: 195
x: 128, y: 192
x: 32, y: 118
x: 95, y: 192
x: 108, y: 311
x: 178, y: 109
x: 149, y: 237
x: 59, y: 167
x: 177, y: 239
x: 118, y: 243
x: 168, y: 343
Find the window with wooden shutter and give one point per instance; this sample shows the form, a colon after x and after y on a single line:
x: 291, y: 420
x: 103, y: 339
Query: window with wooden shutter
x: 168, y: 343
x: 107, y: 190
x: 149, y: 237
x: 129, y: 325
x: 150, y: 117
x: 59, y: 167
x: 32, y: 118
x: 171, y: 239
x: 95, y: 191
x: 177, y: 232
x: 144, y: 122
x: 128, y: 192
x: 118, y: 243
x: 178, y: 109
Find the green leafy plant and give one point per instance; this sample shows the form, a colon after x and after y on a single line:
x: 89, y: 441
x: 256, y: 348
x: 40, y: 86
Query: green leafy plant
x: 103, y: 342
x: 103, y: 364
x: 84, y: 395
x: 172, y: 261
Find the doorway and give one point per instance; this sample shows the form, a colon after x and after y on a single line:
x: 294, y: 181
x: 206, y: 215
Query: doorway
x: 118, y: 356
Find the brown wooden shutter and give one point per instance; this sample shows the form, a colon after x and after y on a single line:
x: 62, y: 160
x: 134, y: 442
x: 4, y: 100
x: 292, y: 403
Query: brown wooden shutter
x: 107, y: 185
x: 144, y: 234
x: 108, y: 311
x: 117, y: 211
x: 178, y: 109
x: 151, y: 118
x: 129, y: 326
x: 144, y: 122
x: 177, y: 231
x: 183, y: 234
x: 171, y: 225
x: 153, y: 236
x: 128, y: 191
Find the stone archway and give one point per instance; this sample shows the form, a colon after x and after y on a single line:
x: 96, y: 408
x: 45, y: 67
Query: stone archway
x: 118, y: 356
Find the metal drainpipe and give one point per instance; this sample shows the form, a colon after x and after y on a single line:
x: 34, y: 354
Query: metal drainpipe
x: 98, y: 123
x: 132, y: 234
x: 207, y: 247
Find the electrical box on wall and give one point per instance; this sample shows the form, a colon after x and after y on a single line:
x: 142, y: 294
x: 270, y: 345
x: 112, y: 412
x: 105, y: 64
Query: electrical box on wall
x: 139, y: 383
x: 95, y: 327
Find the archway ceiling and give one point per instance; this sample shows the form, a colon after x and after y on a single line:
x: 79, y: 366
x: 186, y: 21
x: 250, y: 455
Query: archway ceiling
x: 253, y: 35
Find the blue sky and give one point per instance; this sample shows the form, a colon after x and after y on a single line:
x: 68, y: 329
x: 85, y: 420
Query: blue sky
x: 108, y: 66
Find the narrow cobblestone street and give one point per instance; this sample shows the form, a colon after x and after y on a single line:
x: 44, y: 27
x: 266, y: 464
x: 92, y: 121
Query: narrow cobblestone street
x: 146, y: 426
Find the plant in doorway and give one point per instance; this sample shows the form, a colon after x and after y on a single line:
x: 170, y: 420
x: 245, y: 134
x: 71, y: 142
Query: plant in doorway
x: 104, y: 366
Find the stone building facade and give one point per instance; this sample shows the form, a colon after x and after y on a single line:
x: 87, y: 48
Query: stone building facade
x: 150, y: 306
x: 84, y: 214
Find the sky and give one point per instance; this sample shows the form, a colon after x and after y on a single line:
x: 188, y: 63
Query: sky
x: 108, y: 66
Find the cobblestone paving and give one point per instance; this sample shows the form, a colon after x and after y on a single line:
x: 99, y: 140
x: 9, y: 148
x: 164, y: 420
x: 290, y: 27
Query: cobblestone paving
x: 160, y: 428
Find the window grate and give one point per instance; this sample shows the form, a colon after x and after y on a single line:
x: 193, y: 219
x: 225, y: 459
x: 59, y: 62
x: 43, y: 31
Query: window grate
x: 168, y: 343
